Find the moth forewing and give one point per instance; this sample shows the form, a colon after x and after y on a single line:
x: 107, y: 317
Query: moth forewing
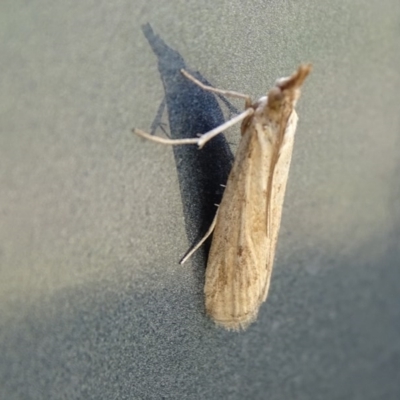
x: 246, y: 232
x: 279, y: 181
x: 236, y: 270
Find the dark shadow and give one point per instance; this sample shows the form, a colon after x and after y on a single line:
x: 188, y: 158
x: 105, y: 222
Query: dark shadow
x: 191, y: 111
x: 335, y: 336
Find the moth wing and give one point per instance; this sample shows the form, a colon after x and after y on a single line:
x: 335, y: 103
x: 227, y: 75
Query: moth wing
x: 243, y: 249
x: 237, y: 270
x: 277, y: 194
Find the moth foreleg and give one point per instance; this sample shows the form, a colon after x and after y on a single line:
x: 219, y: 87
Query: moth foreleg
x: 157, y: 119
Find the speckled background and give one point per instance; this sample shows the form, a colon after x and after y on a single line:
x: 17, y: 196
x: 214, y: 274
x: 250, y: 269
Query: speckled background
x: 93, y: 302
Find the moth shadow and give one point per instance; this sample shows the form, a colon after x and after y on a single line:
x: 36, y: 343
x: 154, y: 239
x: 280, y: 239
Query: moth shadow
x: 192, y: 111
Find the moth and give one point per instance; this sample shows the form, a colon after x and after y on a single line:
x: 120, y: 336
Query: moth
x: 246, y: 226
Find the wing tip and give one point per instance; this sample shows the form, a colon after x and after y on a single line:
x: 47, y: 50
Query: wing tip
x: 237, y: 323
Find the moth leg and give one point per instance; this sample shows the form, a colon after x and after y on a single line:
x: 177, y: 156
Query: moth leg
x: 203, y: 239
x: 231, y: 93
x: 157, y: 119
x: 162, y: 127
x: 203, y: 139
x: 232, y: 109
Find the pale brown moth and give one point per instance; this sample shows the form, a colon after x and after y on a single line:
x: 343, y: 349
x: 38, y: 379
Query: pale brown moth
x: 247, y: 222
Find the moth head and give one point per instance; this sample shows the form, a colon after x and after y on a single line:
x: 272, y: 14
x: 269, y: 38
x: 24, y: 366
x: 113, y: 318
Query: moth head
x: 275, y: 98
x: 287, y: 90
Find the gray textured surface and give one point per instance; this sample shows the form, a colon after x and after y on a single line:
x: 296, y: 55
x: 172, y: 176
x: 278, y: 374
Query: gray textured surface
x: 92, y: 301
